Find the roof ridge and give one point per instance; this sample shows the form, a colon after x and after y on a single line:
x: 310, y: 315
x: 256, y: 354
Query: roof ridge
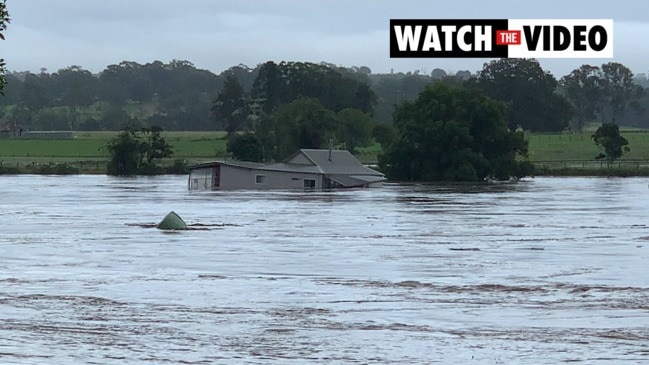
x: 310, y: 159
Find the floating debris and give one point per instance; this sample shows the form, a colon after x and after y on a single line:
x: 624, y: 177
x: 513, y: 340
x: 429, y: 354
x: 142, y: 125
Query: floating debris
x: 190, y: 227
x: 172, y: 222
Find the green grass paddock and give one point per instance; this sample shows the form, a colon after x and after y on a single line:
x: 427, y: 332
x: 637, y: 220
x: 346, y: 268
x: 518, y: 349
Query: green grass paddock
x: 542, y: 147
x: 186, y: 145
x: 89, y: 149
x: 580, y: 146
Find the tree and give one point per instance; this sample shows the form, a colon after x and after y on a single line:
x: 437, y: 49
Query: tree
x: 384, y: 134
x: 365, y: 98
x: 438, y: 74
x: 76, y: 88
x: 608, y: 137
x: 4, y: 21
x: 123, y: 149
x: 34, y: 93
x: 527, y: 91
x: 619, y: 92
x: 267, y: 87
x: 245, y: 147
x: 51, y: 119
x: 244, y: 75
x: 12, y: 94
x: 355, y: 128
x: 116, y: 83
x: 135, y: 152
x: 114, y: 118
x: 583, y: 88
x: 392, y: 90
x: 154, y: 146
x: 278, y: 84
x: 453, y: 134
x: 231, y: 106
x: 303, y: 123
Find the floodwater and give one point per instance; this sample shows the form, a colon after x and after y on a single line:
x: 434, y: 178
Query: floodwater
x: 546, y: 271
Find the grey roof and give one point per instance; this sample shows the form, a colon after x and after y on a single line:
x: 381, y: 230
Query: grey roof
x: 263, y: 167
x: 342, y: 163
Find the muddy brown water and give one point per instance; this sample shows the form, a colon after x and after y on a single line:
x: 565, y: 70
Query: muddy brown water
x: 546, y: 271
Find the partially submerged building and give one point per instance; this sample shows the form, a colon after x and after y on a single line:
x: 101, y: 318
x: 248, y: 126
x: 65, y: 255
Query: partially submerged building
x: 305, y: 169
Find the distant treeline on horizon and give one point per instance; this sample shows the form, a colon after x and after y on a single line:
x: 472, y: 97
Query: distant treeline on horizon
x: 179, y: 96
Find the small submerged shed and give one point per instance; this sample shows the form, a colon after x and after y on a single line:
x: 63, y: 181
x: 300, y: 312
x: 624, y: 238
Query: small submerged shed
x: 305, y: 169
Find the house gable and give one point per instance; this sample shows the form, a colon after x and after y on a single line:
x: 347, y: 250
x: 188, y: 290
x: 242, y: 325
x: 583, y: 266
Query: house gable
x: 338, y: 162
x: 299, y: 158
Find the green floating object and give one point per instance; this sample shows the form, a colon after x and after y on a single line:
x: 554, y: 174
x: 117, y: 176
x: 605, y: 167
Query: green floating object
x: 172, y: 221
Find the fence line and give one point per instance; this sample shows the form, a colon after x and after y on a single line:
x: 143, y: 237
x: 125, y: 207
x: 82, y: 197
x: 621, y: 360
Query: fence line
x: 592, y: 164
x: 83, y: 166
x: 99, y: 166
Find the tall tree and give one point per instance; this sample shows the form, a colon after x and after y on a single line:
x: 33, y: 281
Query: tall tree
x: 453, y: 134
x: 122, y: 83
x: 244, y: 74
x: 75, y: 88
x: 231, y: 106
x: 584, y: 88
x: 13, y: 92
x: 392, y: 90
x: 438, y: 74
x: 267, y: 88
x: 365, y: 98
x: 4, y: 21
x: 620, y: 90
x: 283, y: 83
x: 355, y: 128
x: 527, y: 91
x: 35, y: 95
x: 303, y: 123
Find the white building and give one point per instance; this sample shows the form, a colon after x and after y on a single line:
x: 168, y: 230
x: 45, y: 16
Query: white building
x: 306, y: 169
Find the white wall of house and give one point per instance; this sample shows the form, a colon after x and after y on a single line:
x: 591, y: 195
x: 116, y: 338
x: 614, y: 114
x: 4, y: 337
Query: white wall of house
x: 201, y: 179
x: 242, y: 178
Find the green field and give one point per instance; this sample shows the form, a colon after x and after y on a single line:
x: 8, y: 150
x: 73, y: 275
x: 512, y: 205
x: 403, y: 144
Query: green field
x: 88, y: 149
x: 559, y: 147
x: 186, y: 145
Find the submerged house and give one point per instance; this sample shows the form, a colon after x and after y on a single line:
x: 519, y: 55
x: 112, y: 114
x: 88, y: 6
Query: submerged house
x: 305, y: 169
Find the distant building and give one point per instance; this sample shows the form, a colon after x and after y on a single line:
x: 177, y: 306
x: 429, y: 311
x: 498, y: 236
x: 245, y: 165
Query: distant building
x: 47, y: 135
x: 10, y: 130
x: 306, y: 169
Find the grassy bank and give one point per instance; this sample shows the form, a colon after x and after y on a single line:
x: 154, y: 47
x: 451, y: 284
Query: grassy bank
x: 574, y: 155
x: 87, y: 152
x: 93, y: 145
x: 580, y: 146
x: 554, y: 154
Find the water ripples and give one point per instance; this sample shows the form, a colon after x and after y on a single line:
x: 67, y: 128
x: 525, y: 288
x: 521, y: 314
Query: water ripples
x: 541, y: 272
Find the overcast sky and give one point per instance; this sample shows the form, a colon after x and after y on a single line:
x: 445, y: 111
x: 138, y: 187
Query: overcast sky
x: 216, y: 34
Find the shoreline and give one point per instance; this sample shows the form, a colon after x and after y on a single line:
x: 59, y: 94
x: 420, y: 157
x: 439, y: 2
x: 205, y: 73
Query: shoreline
x: 70, y: 169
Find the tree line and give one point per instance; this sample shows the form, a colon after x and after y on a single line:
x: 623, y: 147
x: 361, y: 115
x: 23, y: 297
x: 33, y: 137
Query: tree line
x: 176, y: 96
x: 179, y: 96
